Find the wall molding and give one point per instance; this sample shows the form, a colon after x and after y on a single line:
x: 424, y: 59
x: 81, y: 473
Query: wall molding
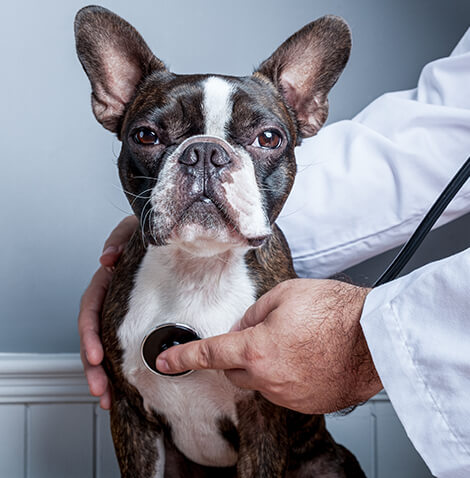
x: 43, y: 378
x: 48, y: 378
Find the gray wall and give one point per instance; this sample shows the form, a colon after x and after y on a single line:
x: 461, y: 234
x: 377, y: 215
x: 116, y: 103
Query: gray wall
x: 59, y: 190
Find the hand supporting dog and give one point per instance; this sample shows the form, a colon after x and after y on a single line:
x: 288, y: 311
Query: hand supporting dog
x: 91, y: 305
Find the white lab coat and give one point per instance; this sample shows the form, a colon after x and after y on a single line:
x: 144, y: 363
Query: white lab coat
x: 362, y: 187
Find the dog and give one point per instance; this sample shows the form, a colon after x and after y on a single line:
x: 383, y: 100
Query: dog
x: 207, y: 162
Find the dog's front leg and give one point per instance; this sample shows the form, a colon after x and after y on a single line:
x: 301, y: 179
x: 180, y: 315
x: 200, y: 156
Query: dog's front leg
x: 263, y: 439
x: 138, y: 442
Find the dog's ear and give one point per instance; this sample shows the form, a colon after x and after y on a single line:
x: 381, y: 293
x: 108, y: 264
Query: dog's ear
x: 115, y: 58
x: 306, y: 66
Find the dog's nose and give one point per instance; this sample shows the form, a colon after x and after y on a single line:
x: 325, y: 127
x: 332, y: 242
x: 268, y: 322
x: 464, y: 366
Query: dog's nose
x: 204, y: 154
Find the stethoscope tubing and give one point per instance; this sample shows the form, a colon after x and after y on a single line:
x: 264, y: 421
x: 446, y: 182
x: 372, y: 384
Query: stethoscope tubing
x: 425, y: 225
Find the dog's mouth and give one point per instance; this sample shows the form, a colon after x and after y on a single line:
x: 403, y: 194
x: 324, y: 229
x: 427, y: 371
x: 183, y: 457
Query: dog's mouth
x: 205, y: 222
x: 206, y: 213
x: 207, y: 218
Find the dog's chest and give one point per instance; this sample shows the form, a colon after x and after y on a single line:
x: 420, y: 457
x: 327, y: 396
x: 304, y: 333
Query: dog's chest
x: 210, y: 297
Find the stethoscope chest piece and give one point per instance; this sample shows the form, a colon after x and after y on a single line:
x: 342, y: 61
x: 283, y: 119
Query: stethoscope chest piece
x: 162, y: 338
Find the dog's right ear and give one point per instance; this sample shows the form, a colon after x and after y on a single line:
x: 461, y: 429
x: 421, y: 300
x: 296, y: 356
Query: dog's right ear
x: 115, y: 58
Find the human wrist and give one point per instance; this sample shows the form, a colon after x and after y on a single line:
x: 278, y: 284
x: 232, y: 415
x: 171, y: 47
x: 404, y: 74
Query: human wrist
x: 365, y: 379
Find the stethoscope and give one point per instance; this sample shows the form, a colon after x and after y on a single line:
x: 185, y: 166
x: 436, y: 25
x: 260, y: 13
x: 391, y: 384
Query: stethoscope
x: 161, y: 338
x: 167, y: 335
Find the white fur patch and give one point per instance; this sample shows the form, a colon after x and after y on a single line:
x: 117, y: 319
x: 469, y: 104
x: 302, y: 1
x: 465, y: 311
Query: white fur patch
x: 217, y: 106
x: 209, y: 294
x: 162, y: 196
x: 244, y: 197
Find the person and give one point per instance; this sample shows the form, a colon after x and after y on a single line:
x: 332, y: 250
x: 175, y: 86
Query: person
x: 319, y: 345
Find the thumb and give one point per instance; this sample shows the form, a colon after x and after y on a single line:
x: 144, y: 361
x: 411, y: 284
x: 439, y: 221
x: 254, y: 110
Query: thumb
x: 222, y: 352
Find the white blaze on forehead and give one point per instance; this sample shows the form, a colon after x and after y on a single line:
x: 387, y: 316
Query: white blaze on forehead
x: 217, y: 106
x: 244, y: 196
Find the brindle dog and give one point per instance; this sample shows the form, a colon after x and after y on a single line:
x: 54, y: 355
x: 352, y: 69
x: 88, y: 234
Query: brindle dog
x: 207, y: 162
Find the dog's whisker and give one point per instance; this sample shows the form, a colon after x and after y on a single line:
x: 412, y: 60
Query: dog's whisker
x: 132, y: 194
x: 304, y: 167
x: 127, y: 213
x: 136, y: 196
x: 267, y: 189
x: 143, y: 217
x: 142, y: 213
x: 295, y: 211
x: 140, y: 196
x: 147, y: 216
x: 145, y: 177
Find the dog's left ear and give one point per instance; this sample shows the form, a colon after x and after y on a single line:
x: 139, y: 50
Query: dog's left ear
x: 306, y: 66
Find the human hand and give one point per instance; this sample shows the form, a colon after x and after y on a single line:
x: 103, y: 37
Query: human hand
x: 91, y: 349
x: 301, y: 345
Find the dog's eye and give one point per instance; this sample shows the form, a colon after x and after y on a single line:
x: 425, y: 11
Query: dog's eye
x: 268, y: 139
x: 146, y: 137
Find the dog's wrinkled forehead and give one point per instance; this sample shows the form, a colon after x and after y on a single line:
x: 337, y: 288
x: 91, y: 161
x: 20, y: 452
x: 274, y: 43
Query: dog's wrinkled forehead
x: 221, y: 106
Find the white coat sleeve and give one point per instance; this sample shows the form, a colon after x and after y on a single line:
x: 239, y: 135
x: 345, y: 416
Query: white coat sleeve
x: 362, y: 188
x: 418, y: 331
x: 364, y: 184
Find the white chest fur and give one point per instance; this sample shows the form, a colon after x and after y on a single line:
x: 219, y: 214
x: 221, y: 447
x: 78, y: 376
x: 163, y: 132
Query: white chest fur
x: 209, y: 294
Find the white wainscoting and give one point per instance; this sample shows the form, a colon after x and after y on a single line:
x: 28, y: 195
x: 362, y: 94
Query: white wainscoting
x: 50, y: 427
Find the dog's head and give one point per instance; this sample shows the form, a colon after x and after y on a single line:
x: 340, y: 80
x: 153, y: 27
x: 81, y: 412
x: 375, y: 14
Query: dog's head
x: 207, y: 161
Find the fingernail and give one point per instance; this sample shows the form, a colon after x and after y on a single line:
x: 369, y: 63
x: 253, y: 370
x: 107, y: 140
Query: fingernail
x: 162, y: 365
x: 110, y: 250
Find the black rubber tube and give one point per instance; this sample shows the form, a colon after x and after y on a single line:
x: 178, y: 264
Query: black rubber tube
x: 426, y: 224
